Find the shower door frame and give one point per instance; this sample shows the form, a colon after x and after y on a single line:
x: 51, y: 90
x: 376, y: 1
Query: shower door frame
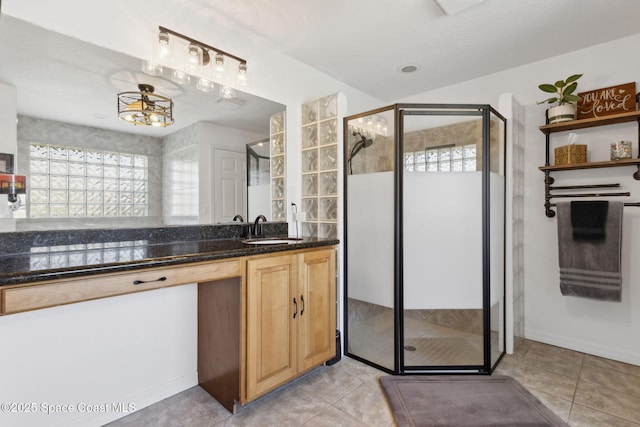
x: 399, y: 112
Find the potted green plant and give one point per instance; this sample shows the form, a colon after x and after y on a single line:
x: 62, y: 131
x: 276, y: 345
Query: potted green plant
x: 564, y: 97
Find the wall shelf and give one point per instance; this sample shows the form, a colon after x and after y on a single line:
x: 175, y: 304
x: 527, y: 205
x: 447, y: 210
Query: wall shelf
x: 632, y: 116
x: 592, y: 165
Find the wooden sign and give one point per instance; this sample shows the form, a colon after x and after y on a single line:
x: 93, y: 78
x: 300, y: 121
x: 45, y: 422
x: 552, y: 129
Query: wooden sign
x: 607, y: 101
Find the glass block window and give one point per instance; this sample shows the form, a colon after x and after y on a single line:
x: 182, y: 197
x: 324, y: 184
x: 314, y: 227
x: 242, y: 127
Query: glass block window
x: 82, y: 182
x: 459, y: 158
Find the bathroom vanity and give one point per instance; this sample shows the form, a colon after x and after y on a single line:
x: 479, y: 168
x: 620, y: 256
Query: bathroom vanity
x: 266, y: 312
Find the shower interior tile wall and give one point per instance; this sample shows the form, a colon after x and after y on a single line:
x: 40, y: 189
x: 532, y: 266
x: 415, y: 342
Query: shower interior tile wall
x: 320, y: 167
x: 380, y: 156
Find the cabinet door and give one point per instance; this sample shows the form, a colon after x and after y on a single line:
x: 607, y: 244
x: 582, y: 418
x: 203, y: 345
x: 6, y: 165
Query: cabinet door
x: 317, y: 320
x: 271, y: 326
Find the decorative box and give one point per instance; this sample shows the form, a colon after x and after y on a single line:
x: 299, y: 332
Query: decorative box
x: 570, y: 154
x: 621, y: 150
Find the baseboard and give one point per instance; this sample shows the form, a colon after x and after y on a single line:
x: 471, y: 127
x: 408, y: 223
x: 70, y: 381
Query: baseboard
x: 140, y: 400
x: 587, y: 347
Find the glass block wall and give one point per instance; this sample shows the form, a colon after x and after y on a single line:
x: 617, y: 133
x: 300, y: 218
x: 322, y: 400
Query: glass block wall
x: 84, y: 177
x: 320, y: 167
x: 180, y: 180
x: 79, y: 182
x: 278, y: 167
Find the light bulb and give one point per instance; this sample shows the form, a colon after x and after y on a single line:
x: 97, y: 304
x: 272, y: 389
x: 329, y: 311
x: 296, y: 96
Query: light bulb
x: 193, y: 60
x: 220, y: 67
x: 227, y: 92
x: 180, y: 77
x: 163, y: 42
x: 242, y: 74
x: 205, y: 85
x: 194, y: 54
x: 152, y: 68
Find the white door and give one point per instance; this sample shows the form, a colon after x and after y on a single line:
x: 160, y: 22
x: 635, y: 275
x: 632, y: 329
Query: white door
x: 229, y: 185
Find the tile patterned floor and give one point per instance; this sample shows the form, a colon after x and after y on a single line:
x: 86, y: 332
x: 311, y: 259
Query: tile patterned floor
x: 583, y: 390
x: 373, y: 339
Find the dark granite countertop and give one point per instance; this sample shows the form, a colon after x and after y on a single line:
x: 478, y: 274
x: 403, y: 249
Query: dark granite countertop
x: 50, y: 262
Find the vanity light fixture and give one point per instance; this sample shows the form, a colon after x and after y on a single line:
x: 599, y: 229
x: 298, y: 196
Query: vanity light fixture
x: 186, y: 58
x: 145, y: 108
x: 12, y: 185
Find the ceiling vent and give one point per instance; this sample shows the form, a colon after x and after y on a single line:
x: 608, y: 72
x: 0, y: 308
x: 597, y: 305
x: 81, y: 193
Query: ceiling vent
x: 451, y: 7
x: 229, y: 103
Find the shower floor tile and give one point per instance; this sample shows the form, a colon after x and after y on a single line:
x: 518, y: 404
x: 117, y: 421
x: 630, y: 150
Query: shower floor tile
x: 435, y: 345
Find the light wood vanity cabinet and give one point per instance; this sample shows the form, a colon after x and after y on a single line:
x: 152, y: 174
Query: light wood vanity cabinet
x: 262, y: 320
x: 291, y: 317
x: 317, y: 325
x: 35, y: 296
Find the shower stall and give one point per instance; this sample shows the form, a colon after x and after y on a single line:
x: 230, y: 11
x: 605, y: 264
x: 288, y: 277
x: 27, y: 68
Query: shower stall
x: 425, y: 238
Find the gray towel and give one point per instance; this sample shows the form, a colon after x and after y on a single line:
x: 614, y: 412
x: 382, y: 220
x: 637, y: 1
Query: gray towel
x: 590, y: 269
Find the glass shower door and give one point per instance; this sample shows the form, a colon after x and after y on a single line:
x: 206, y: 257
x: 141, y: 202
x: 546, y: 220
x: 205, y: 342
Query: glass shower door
x: 425, y: 238
x: 442, y: 240
x: 369, y: 154
x: 497, y: 239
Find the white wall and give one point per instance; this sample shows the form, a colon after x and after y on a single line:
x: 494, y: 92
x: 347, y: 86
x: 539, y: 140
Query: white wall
x: 8, y: 144
x: 211, y: 137
x: 259, y: 200
x: 133, y: 349
x: 601, y: 328
x: 8, y: 117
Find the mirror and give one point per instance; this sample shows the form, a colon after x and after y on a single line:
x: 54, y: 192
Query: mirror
x: 66, y: 97
x: 258, y: 178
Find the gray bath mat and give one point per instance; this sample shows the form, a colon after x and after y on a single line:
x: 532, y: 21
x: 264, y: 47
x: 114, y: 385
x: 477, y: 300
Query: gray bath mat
x: 464, y: 401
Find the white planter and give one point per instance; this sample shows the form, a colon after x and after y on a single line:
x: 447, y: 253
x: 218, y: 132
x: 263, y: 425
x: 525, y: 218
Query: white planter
x: 561, y: 113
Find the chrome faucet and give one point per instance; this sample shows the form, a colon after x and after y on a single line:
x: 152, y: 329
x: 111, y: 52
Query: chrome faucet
x: 257, y: 228
x: 238, y: 217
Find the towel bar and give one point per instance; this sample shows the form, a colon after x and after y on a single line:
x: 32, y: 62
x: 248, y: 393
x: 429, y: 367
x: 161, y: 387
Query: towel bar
x: 634, y: 204
x: 578, y: 187
x: 559, y: 196
x: 548, y: 205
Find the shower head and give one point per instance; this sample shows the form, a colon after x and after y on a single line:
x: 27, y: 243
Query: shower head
x: 363, y: 140
x: 363, y: 143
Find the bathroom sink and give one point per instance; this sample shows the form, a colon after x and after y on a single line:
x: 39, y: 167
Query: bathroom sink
x: 272, y: 241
